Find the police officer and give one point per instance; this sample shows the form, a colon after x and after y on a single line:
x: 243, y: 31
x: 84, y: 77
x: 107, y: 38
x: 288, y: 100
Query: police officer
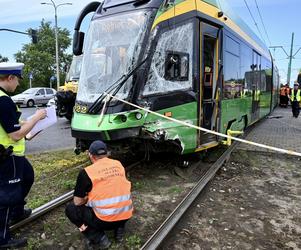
x: 295, y: 100
x: 299, y: 79
x: 102, y: 198
x: 16, y: 173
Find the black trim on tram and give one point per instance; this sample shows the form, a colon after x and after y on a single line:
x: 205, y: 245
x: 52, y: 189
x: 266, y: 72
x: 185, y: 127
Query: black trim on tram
x: 113, y: 134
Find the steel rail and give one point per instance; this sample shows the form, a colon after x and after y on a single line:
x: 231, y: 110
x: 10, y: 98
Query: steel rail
x: 44, y: 209
x: 165, y: 228
x: 47, y: 207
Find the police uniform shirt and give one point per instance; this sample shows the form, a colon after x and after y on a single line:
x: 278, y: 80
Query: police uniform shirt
x: 295, y: 94
x: 83, y: 184
x: 9, y: 116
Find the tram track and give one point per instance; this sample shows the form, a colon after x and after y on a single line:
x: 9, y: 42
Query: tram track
x: 49, y: 206
x: 172, y: 220
x: 167, y: 226
x: 53, y: 204
x: 162, y: 232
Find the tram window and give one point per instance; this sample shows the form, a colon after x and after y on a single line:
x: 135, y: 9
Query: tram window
x: 176, y: 66
x: 232, y: 86
x: 246, y: 62
x: 170, y: 69
x: 232, y: 46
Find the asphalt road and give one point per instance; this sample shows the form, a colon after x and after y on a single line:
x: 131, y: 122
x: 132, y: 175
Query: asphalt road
x: 56, y: 137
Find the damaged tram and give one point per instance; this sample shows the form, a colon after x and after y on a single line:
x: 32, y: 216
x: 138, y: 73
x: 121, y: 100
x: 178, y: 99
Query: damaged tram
x: 192, y: 60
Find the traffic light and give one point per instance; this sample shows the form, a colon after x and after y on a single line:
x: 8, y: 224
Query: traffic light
x: 34, y: 37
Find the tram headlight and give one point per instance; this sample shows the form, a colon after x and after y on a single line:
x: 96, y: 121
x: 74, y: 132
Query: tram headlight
x: 138, y: 116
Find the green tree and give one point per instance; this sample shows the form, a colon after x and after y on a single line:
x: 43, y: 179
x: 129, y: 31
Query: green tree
x: 39, y: 58
x: 3, y: 59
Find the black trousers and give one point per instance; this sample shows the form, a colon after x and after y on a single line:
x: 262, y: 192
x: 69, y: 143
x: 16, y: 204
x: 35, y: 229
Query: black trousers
x: 16, y: 179
x: 4, y: 229
x: 80, y: 215
x: 295, y: 108
x: 283, y: 101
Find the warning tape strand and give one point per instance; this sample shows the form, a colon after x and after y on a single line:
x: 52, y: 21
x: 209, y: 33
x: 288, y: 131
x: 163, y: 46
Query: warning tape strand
x: 284, y: 151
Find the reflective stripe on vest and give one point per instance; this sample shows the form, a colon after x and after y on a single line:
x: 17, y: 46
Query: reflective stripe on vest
x: 298, y: 97
x: 109, y: 201
x: 6, y: 141
x: 256, y: 95
x: 113, y: 211
x: 110, y: 196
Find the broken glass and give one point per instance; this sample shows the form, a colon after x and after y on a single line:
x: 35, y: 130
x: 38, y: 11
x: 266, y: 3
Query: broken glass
x: 179, y: 39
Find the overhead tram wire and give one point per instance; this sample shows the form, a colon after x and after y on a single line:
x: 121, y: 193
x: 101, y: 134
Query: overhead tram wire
x: 254, y: 21
x: 264, y: 28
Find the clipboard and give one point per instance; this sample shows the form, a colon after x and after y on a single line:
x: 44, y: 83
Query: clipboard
x: 48, y: 121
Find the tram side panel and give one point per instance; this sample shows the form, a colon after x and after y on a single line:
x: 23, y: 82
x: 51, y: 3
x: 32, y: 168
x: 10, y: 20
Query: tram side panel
x: 247, y: 85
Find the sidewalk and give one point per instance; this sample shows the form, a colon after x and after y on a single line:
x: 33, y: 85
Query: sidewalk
x: 280, y: 129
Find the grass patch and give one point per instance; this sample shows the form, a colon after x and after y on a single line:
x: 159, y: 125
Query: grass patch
x: 133, y: 242
x: 55, y: 174
x: 139, y: 185
x: 47, y: 164
x: 175, y: 190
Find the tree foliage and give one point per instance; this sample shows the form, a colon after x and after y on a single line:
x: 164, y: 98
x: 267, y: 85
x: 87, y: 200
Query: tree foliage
x: 39, y: 58
x: 3, y: 59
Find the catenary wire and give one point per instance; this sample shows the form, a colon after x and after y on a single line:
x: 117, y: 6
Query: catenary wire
x: 254, y: 21
x: 264, y: 28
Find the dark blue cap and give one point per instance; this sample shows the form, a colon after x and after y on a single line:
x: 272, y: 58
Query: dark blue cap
x: 98, y: 148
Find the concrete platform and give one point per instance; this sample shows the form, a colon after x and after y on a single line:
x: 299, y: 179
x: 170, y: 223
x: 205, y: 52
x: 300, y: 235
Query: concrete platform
x: 280, y: 129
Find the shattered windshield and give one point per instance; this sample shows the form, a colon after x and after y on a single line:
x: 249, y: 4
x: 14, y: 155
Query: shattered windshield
x: 177, y: 41
x: 112, y: 48
x: 74, y: 71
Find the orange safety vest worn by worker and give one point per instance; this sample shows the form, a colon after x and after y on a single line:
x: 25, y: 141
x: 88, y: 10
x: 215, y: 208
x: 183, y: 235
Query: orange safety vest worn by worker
x: 287, y: 90
x: 283, y: 91
x: 110, y: 196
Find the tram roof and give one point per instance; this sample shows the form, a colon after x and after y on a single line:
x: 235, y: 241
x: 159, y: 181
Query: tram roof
x: 225, y: 6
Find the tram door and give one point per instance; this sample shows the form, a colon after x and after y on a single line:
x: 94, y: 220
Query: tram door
x: 208, y: 81
x: 256, y: 69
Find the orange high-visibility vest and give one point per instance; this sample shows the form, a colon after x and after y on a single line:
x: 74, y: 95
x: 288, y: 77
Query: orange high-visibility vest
x: 110, y: 196
x: 287, y: 90
x: 283, y: 91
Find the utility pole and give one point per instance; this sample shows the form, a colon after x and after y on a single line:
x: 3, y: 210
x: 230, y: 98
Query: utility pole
x: 290, y: 56
x: 289, y: 70
x: 56, y: 40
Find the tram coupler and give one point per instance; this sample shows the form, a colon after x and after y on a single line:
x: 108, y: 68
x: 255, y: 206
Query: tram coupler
x: 231, y: 133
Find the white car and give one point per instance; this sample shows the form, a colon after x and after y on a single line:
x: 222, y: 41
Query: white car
x: 34, y: 96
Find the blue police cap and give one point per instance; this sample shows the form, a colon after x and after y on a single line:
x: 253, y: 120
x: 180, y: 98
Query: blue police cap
x: 7, y: 68
x: 98, y: 148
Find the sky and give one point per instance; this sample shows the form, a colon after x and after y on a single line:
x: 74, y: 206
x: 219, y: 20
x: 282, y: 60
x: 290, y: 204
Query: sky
x: 280, y: 17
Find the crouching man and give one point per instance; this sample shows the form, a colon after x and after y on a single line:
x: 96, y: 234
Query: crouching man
x: 102, y: 198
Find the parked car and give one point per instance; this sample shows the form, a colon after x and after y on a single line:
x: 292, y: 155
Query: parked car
x: 34, y: 96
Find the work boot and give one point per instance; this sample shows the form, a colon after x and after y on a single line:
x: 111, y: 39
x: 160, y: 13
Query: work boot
x: 27, y: 212
x: 119, y: 233
x: 104, y: 242
x: 13, y: 243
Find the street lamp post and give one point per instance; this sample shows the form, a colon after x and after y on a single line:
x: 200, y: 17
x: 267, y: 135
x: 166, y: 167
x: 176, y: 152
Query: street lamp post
x: 56, y: 40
